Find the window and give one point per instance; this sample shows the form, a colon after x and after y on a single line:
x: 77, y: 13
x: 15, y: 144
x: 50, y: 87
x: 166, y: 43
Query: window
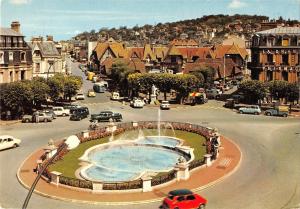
x: 285, y: 59
x: 285, y: 75
x: 270, y: 58
x: 37, y: 67
x: 181, y: 198
x: 285, y: 42
x: 11, y: 76
x: 190, y: 197
x: 23, y: 75
x: 11, y: 56
x: 269, y: 75
x: 23, y: 57
x: 1, y: 57
x: 173, y: 59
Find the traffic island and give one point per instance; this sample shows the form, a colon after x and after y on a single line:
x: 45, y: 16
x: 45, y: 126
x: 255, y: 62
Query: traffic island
x: 196, y: 179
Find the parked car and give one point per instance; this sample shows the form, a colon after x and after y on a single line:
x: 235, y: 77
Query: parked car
x: 106, y: 116
x: 7, y: 141
x: 183, y: 198
x: 99, y: 87
x: 50, y: 112
x: 37, y: 117
x: 253, y: 109
x: 213, y: 93
x: 79, y: 96
x: 137, y: 103
x: 115, y: 96
x: 91, y: 93
x: 80, y: 113
x: 165, y: 105
x: 71, y: 107
x: 60, y: 111
x: 279, y: 111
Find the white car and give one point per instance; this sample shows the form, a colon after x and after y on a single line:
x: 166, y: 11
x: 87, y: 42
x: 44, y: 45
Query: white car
x: 79, y: 96
x: 165, y: 105
x: 60, y: 111
x: 7, y: 141
x: 138, y: 103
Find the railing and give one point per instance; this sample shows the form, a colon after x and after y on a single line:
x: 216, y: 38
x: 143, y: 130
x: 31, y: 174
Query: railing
x: 137, y: 184
x: 195, y: 164
x: 163, y: 178
x: 75, y: 182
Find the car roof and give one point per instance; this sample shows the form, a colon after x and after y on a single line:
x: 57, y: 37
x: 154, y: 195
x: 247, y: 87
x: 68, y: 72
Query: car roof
x: 5, y: 136
x: 179, y: 192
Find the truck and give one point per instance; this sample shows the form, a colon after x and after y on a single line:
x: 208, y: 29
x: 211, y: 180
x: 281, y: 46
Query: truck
x: 106, y: 116
x: 278, y: 111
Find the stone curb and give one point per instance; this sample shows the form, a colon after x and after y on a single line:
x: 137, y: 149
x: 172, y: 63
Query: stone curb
x: 8, y: 123
x: 131, y: 202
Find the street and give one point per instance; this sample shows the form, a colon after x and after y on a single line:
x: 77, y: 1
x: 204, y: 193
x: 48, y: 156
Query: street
x: 267, y: 178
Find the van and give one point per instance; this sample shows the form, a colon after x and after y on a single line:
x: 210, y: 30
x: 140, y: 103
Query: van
x: 99, y: 87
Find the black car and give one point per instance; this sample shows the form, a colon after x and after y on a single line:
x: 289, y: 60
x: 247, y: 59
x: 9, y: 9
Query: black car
x: 106, y: 116
x: 80, y: 113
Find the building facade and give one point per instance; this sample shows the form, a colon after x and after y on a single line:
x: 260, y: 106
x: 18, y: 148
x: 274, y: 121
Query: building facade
x: 15, y: 55
x: 47, y: 57
x: 276, y: 54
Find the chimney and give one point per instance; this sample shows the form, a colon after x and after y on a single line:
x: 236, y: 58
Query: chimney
x: 15, y: 25
x: 49, y: 38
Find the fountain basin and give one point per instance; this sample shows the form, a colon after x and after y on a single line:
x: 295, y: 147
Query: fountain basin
x: 127, y: 160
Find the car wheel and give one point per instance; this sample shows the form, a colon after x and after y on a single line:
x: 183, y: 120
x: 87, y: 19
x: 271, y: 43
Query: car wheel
x: 241, y: 112
x: 15, y: 145
x: 45, y: 120
x: 285, y: 115
x: 201, y: 206
x: 27, y: 121
x: 268, y: 114
x: 256, y: 113
x: 64, y: 114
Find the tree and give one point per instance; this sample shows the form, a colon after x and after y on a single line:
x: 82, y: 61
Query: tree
x: 56, y: 85
x: 205, y: 75
x: 17, y: 97
x: 293, y: 92
x: 71, y: 85
x: 278, y: 89
x: 253, y: 90
x: 40, y: 91
x: 119, y: 75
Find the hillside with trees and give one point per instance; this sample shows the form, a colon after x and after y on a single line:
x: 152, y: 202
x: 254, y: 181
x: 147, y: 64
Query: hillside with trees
x: 207, y: 29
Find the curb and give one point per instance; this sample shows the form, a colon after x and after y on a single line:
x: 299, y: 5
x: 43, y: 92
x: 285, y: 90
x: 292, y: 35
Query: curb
x: 8, y: 123
x: 130, y: 202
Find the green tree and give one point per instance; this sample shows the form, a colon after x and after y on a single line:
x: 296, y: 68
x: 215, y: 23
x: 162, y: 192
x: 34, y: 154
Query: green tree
x: 119, y: 75
x: 71, y: 85
x: 17, y: 97
x: 293, y: 92
x: 56, y: 86
x: 278, y: 89
x: 253, y: 90
x: 205, y: 75
x: 40, y: 91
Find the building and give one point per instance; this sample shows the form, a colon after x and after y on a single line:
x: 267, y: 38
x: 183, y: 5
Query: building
x: 276, y: 54
x: 15, y: 55
x: 47, y: 57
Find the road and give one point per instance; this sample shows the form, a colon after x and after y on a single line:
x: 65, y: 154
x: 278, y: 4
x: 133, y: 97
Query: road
x: 268, y: 177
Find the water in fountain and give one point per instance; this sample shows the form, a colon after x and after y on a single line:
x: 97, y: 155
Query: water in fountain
x: 141, y: 134
x: 170, y: 125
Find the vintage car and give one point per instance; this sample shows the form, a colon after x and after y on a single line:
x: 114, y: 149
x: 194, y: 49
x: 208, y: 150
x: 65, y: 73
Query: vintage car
x: 183, y: 199
x: 252, y: 109
x: 7, y: 141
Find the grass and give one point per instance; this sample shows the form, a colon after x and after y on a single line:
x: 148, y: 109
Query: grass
x: 70, y: 163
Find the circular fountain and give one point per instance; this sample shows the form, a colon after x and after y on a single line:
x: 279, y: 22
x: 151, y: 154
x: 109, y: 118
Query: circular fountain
x: 128, y: 160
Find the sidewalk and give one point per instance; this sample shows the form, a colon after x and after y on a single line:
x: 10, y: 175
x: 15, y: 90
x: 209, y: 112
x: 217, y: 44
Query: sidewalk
x: 228, y: 161
x: 8, y: 122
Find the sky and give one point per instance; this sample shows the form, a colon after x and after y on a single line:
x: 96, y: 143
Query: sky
x: 65, y: 18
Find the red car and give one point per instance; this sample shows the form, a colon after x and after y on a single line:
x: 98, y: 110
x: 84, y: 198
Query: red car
x: 183, y: 199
